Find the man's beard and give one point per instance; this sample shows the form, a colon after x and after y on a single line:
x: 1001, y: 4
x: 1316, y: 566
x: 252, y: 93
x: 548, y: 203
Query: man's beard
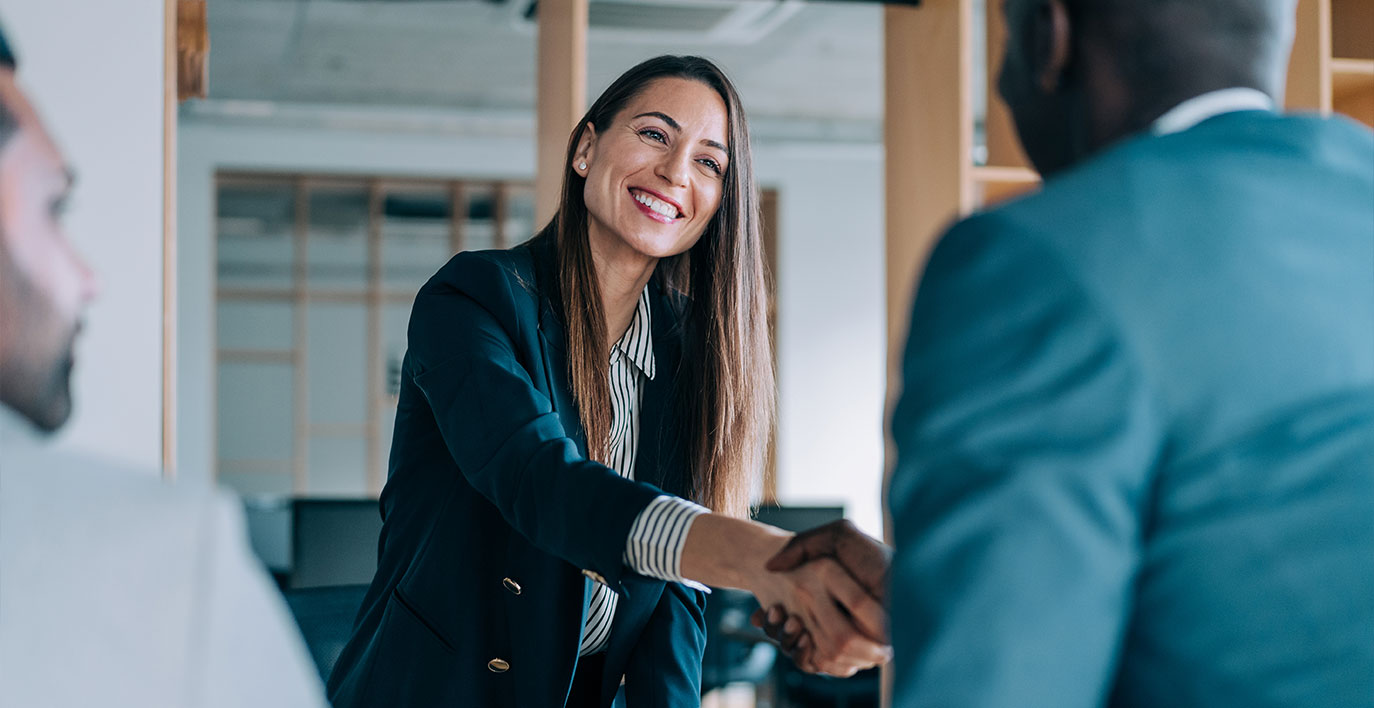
x: 54, y: 403
x: 36, y: 384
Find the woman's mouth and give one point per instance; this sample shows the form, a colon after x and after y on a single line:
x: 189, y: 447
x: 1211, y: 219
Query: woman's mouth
x: 657, y: 209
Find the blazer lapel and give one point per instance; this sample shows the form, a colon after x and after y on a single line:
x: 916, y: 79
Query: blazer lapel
x: 552, y: 346
x: 553, y: 341
x: 657, y: 461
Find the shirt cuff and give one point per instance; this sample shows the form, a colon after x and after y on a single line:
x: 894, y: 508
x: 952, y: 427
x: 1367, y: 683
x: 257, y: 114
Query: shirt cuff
x: 656, y: 538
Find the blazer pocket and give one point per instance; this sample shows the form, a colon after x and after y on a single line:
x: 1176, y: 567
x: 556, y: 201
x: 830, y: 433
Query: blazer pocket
x: 407, y: 610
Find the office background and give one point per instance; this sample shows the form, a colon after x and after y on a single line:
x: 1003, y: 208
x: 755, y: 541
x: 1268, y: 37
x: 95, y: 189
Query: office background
x: 375, y: 111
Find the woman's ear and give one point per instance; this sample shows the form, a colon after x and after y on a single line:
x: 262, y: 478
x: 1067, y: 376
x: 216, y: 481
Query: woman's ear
x: 586, y: 146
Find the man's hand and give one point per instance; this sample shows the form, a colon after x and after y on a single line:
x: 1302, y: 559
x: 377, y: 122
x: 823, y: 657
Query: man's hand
x: 845, y: 624
x: 866, y: 559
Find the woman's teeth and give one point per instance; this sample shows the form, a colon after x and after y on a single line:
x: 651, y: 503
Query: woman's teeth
x: 657, y: 205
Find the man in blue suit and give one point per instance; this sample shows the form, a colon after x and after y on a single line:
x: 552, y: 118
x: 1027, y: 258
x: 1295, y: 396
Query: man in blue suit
x: 1136, y: 435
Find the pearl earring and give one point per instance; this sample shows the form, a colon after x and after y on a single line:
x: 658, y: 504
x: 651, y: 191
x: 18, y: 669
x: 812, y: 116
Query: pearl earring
x: 582, y: 165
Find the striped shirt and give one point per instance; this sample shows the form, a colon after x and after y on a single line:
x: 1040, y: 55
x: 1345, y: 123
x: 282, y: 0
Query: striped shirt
x: 654, y: 548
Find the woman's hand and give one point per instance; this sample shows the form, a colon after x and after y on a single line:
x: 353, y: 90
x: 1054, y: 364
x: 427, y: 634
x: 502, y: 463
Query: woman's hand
x: 846, y: 626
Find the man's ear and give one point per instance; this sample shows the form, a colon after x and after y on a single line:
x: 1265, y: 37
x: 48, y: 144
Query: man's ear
x: 1053, y: 45
x: 586, y: 149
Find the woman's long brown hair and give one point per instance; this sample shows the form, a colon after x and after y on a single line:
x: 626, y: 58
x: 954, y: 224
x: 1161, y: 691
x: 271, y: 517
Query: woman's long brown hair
x: 724, y: 387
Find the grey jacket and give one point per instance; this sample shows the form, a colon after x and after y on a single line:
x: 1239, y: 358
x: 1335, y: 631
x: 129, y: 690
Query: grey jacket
x: 117, y: 590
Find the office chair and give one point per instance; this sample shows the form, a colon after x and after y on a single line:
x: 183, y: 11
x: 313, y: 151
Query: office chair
x: 736, y: 651
x: 325, y: 616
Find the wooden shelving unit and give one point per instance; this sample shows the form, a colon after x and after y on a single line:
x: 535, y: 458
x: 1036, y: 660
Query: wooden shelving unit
x: 994, y: 184
x: 1332, y: 67
x: 1352, y: 62
x: 1352, y: 88
x: 384, y: 275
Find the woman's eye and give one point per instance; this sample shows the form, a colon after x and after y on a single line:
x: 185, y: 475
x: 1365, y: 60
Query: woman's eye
x: 715, y: 166
x: 654, y: 134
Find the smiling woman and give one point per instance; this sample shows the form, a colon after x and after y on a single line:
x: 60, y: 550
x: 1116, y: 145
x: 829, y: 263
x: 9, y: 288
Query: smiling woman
x: 572, y: 411
x: 657, y: 184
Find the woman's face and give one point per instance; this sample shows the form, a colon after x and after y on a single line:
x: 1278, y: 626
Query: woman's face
x: 654, y: 176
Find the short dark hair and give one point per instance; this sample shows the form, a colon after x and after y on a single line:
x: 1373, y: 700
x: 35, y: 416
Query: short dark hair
x: 1242, y: 41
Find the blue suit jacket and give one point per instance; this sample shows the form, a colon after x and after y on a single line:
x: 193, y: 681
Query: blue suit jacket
x: 495, y: 522
x: 1136, y: 438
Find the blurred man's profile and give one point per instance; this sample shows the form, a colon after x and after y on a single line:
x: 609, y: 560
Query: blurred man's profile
x: 114, y: 589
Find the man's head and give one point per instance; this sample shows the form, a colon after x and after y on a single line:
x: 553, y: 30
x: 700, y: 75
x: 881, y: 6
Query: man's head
x: 1081, y: 74
x: 44, y: 284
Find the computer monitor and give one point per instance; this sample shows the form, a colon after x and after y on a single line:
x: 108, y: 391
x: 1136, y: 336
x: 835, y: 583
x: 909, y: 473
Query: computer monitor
x: 334, y: 542
x: 798, y: 518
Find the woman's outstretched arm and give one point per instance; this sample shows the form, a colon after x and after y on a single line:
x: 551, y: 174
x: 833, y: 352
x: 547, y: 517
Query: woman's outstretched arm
x: 848, y: 626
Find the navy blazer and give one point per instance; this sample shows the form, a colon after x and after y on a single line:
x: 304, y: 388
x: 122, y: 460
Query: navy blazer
x: 495, y: 523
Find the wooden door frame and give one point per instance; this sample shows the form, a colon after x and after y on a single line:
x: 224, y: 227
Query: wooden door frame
x: 169, y: 228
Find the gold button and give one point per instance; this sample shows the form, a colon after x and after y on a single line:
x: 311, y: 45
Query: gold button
x: 498, y: 666
x: 511, y: 585
x: 595, y: 576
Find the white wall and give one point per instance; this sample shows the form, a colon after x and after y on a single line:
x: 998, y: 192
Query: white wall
x: 831, y: 341
x: 94, y: 71
x: 830, y: 280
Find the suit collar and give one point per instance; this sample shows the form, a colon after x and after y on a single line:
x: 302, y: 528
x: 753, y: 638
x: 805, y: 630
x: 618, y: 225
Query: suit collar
x: 657, y: 461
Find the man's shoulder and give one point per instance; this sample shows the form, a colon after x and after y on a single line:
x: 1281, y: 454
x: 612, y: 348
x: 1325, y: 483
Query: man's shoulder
x: 150, y: 588
x: 124, y: 508
x: 1151, y: 191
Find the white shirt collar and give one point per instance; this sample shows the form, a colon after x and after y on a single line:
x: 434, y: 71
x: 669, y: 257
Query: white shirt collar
x: 20, y: 441
x: 1213, y: 103
x: 16, y: 428
x: 637, y: 344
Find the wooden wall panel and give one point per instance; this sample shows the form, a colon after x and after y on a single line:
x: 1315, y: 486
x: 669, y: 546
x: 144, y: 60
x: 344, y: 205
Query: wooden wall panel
x: 170, y: 100
x: 1352, y: 29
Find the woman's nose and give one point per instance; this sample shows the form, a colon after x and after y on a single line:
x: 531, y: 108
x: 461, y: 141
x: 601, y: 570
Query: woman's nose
x: 674, y: 166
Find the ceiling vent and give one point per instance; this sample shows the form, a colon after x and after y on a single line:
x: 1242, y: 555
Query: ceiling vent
x: 671, y: 21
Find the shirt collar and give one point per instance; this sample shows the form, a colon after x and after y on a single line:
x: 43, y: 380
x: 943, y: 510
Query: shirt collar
x: 637, y: 344
x: 1213, y: 103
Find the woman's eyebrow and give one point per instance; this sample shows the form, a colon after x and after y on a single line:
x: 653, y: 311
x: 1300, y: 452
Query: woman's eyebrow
x: 663, y: 117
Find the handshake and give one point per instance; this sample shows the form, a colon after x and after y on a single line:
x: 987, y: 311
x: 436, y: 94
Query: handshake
x: 826, y: 603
